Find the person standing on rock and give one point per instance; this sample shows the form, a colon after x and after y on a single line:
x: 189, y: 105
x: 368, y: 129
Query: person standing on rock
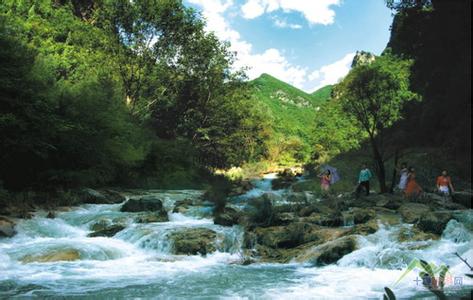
x: 444, y: 184
x: 325, y: 180
x: 364, y: 180
x: 403, y: 172
x: 413, y: 189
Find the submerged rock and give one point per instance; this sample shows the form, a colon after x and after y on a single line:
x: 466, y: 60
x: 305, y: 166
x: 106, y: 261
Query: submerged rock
x: 57, y: 255
x: 153, y: 217
x: 148, y: 203
x: 108, y: 231
x: 193, y: 241
x: 7, y: 227
x: 329, y: 252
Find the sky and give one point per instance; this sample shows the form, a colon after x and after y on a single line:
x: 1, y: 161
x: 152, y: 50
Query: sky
x: 307, y: 43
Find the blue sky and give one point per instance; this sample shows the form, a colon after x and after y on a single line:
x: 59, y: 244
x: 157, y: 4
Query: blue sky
x: 308, y: 43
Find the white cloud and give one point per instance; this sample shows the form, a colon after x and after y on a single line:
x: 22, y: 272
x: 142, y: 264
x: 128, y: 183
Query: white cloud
x: 314, y: 11
x: 271, y: 61
x: 284, y: 24
x: 332, y: 73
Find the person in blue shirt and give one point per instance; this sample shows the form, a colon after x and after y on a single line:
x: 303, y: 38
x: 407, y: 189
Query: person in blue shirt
x: 364, y: 180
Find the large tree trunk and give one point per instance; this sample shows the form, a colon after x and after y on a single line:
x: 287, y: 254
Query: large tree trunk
x: 380, y: 170
x: 393, y: 181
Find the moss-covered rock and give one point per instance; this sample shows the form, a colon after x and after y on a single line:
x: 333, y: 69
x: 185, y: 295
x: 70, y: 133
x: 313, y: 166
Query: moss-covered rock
x: 7, y: 227
x: 149, y: 203
x: 53, y: 256
x: 228, y: 217
x: 193, y: 241
x: 108, y: 231
x: 329, y: 252
x: 411, y: 212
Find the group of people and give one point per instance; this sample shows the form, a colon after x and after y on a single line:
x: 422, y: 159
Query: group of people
x: 407, y: 182
x: 410, y: 188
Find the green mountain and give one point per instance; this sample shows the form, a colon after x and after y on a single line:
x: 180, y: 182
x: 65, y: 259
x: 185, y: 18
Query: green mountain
x: 292, y: 113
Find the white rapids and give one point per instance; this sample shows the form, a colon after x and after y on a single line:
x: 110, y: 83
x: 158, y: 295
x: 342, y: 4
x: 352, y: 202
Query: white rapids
x: 137, y: 262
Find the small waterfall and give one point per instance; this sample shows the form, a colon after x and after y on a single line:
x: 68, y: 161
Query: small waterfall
x: 348, y: 219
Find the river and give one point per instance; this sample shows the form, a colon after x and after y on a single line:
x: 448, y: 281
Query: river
x: 137, y: 262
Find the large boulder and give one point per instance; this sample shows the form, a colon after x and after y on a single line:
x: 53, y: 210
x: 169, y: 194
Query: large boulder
x: 411, y: 212
x: 7, y: 227
x: 228, y: 217
x: 388, y: 201
x: 289, y: 236
x: 147, y: 203
x: 366, y: 228
x: 53, y: 256
x: 434, y: 222
x: 108, y: 231
x: 193, y: 241
x: 329, y: 252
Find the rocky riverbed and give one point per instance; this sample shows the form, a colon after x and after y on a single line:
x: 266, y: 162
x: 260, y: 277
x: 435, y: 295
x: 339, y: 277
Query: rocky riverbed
x: 263, y: 244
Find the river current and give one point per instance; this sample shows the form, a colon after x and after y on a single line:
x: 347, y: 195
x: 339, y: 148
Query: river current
x: 137, y: 262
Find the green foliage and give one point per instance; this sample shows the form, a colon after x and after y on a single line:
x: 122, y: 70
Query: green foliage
x: 288, y: 111
x: 374, y: 94
x: 335, y: 132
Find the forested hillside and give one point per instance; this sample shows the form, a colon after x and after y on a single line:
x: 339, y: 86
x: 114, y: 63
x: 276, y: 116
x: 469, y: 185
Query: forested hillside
x: 105, y: 92
x: 289, y: 111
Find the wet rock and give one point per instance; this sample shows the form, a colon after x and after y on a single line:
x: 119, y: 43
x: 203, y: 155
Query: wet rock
x: 92, y: 196
x: 51, y: 215
x: 287, y: 236
x: 315, y: 208
x: 411, y: 212
x: 228, y: 217
x: 369, y: 227
x: 362, y: 215
x: 153, y: 217
x: 333, y: 219
x: 57, y: 255
x: 108, y: 231
x: 285, y: 218
x: 299, y: 197
x: 434, y: 222
x: 193, y: 241
x: 463, y: 198
x: 7, y: 227
x: 414, y: 234
x: 329, y: 252
x: 100, y: 224
x: 389, y: 201
x: 142, y: 204
x: 181, y: 206
x: 241, y: 188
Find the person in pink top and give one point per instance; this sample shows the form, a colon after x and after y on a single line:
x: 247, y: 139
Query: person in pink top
x: 325, y: 180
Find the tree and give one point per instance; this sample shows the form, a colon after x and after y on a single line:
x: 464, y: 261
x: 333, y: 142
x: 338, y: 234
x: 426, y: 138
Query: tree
x: 335, y: 132
x: 375, y: 94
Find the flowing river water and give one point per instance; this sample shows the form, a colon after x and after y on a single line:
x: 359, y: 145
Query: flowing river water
x: 137, y: 262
